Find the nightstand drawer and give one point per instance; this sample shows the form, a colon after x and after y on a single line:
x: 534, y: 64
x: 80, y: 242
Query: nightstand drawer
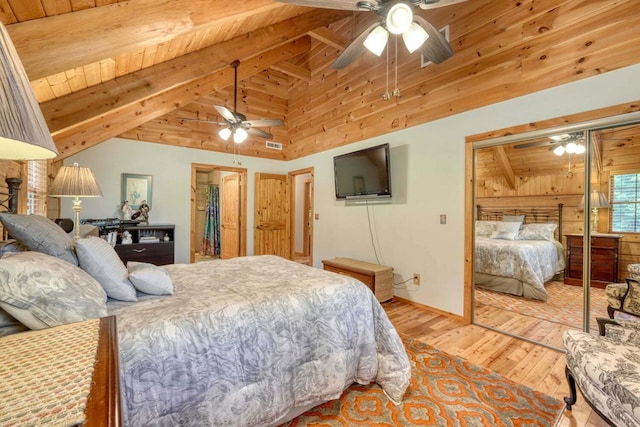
x: 155, y: 253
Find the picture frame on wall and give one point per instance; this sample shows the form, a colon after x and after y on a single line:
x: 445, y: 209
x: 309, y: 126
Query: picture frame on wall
x: 136, y: 188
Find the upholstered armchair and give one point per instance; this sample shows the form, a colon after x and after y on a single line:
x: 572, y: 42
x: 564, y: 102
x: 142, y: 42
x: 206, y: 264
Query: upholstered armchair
x: 625, y: 297
x: 606, y: 369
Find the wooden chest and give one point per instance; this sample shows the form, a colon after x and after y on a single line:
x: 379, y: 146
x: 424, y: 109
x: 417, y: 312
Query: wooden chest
x: 378, y: 278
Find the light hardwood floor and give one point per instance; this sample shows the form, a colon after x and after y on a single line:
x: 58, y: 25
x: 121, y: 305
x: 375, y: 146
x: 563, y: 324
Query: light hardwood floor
x: 533, y: 365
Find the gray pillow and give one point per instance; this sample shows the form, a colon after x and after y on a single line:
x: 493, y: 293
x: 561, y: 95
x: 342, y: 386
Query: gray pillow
x: 40, y: 234
x: 149, y: 278
x: 40, y: 290
x: 513, y: 218
x: 101, y: 261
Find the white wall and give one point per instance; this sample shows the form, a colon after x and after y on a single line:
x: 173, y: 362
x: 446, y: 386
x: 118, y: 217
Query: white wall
x: 171, y: 171
x: 427, y: 180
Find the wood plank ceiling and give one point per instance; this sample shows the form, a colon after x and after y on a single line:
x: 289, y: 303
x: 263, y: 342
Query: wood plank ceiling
x: 136, y: 68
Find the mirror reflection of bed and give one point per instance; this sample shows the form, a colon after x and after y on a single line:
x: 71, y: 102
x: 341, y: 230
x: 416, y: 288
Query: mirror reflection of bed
x: 519, y: 178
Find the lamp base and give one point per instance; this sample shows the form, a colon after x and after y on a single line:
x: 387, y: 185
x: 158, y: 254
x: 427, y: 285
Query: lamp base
x: 594, y: 222
x: 76, y: 217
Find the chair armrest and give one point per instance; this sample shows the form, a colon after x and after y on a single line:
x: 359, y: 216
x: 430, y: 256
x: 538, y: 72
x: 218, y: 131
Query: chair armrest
x: 625, y: 331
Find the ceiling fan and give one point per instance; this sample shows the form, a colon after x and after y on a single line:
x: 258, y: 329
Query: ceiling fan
x: 570, y: 143
x: 235, y: 123
x: 396, y: 17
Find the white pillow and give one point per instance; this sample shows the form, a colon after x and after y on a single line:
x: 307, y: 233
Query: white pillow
x: 101, y: 261
x: 149, y: 278
x: 40, y: 291
x: 506, y: 231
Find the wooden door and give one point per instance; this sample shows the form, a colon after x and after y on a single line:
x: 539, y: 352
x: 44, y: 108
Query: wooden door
x: 230, y: 232
x: 272, y: 234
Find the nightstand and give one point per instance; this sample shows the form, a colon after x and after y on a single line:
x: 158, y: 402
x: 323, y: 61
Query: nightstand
x: 604, y: 259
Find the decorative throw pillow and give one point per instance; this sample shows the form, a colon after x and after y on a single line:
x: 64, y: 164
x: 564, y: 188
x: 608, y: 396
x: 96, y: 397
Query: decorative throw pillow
x: 43, y: 291
x: 506, y: 231
x: 149, y: 278
x: 40, y: 234
x: 101, y: 261
x: 541, y: 231
x: 11, y: 245
x: 485, y: 228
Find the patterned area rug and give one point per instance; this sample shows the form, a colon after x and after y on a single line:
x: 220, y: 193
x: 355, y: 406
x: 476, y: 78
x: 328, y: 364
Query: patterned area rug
x: 445, y: 391
x: 563, y: 305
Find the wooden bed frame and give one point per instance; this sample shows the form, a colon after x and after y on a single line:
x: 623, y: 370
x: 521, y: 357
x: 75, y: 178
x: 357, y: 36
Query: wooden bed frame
x: 10, y: 202
x: 531, y: 215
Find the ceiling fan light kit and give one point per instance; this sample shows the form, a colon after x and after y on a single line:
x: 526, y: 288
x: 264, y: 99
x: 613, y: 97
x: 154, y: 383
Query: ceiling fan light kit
x: 414, y: 37
x: 376, y: 41
x: 399, y: 18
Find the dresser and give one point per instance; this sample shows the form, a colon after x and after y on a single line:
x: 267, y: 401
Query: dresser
x: 378, y: 278
x: 605, y: 250
x: 152, y: 243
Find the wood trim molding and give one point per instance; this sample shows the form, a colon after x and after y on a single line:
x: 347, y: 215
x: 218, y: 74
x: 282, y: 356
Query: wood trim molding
x: 431, y: 309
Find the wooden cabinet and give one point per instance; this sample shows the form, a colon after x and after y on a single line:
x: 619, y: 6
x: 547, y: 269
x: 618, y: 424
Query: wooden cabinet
x: 152, y: 243
x: 378, y: 278
x: 604, y: 259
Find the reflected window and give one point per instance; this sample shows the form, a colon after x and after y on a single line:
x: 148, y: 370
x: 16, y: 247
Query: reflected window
x: 625, y: 203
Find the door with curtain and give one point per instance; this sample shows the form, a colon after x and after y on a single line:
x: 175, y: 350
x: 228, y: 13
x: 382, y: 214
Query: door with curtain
x: 211, y: 237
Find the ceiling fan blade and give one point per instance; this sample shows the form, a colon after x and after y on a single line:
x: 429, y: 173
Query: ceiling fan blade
x: 224, y: 112
x: 430, y: 4
x: 263, y: 122
x: 536, y: 144
x: 203, y: 121
x: 260, y: 133
x: 436, y: 48
x: 329, y: 4
x: 354, y: 50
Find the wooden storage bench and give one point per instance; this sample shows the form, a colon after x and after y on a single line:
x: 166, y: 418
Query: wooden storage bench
x: 378, y: 278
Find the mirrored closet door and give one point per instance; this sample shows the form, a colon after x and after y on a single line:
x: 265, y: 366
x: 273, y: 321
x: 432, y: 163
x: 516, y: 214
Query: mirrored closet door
x: 537, y: 237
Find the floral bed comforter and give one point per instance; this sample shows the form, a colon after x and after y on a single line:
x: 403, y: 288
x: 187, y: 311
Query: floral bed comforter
x: 533, y: 262
x: 242, y: 341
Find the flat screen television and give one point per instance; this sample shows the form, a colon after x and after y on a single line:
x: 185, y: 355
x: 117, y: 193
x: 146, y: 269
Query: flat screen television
x: 363, y: 173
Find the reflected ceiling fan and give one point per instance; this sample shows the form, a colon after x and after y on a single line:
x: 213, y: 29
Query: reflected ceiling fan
x: 570, y: 143
x: 396, y: 17
x: 235, y: 123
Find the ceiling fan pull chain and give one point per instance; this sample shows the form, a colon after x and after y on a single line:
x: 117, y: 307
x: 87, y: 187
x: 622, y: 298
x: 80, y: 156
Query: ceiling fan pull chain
x: 396, y: 91
x: 387, y: 95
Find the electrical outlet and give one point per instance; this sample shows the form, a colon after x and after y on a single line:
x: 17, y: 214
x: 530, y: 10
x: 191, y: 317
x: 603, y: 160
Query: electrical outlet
x: 416, y: 279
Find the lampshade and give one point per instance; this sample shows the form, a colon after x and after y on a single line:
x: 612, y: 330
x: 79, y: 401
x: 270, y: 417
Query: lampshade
x: 239, y: 135
x: 414, y: 36
x: 597, y: 200
x: 377, y: 40
x: 74, y: 181
x: 225, y: 133
x: 23, y: 130
x: 399, y: 18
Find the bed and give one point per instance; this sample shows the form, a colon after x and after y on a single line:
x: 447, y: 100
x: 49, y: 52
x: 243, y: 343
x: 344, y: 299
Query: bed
x: 518, y: 261
x: 251, y: 341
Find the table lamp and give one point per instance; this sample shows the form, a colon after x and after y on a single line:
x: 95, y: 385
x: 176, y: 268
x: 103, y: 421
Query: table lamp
x: 74, y: 181
x: 596, y: 200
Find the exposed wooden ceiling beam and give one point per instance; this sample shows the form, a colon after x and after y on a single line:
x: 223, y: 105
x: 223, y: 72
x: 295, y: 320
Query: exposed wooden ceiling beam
x: 86, y: 118
x: 329, y: 37
x: 293, y: 70
x: 505, y: 166
x: 59, y: 43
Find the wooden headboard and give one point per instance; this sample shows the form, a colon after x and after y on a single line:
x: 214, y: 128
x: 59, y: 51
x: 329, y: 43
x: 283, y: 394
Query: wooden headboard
x: 531, y: 215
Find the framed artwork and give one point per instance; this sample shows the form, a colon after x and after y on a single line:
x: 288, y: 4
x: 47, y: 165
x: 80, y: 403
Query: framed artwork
x: 135, y: 189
